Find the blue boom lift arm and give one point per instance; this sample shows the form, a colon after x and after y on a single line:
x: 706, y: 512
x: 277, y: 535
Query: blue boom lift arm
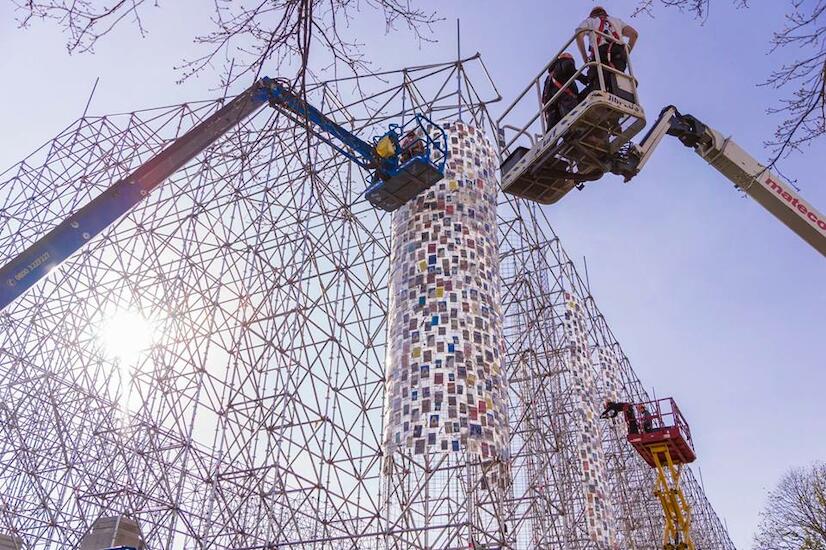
x: 403, y: 162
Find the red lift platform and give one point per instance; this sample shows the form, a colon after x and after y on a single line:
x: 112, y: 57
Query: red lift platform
x: 660, y: 423
x: 660, y: 434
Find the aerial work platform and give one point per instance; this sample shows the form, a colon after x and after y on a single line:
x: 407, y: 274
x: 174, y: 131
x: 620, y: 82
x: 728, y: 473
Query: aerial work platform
x: 542, y: 163
x: 659, y: 433
x: 417, y: 152
x: 661, y: 424
x: 554, y: 137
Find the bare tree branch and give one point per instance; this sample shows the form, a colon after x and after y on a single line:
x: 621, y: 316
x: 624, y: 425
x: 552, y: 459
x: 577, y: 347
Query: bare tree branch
x: 795, y: 515
x: 697, y: 8
x: 85, y: 21
x: 247, y: 35
x: 803, y: 109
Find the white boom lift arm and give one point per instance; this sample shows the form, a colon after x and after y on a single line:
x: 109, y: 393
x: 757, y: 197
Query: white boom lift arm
x: 734, y: 163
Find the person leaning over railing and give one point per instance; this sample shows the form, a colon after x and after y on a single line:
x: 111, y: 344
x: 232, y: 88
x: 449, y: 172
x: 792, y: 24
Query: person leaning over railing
x: 613, y: 408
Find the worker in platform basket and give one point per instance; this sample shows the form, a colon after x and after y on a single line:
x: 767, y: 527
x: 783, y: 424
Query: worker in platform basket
x: 411, y: 146
x: 646, y: 418
x: 611, y: 52
x: 560, y: 71
x: 613, y: 408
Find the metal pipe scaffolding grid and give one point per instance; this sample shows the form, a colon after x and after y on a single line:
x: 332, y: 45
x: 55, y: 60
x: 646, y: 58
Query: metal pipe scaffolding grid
x: 254, y: 417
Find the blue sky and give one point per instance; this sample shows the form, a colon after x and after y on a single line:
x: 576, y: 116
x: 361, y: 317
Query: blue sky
x: 714, y: 301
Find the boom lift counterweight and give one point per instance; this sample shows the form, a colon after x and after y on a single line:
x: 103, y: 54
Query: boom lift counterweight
x: 404, y: 161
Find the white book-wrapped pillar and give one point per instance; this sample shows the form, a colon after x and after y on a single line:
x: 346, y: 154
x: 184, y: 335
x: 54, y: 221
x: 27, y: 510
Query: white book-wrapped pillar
x: 446, y: 427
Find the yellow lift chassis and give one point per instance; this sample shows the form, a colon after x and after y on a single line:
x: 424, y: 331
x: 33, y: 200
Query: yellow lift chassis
x: 677, y: 512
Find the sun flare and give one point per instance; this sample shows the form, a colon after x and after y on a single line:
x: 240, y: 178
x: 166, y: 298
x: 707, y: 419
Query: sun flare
x: 125, y: 335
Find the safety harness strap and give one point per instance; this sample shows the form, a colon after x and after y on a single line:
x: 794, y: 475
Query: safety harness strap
x: 558, y: 85
x: 603, y: 22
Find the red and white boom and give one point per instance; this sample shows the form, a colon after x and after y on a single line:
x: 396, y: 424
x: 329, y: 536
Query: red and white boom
x: 738, y: 166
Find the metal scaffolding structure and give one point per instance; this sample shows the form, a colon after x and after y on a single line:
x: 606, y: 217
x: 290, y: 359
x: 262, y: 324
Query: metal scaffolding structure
x: 253, y: 416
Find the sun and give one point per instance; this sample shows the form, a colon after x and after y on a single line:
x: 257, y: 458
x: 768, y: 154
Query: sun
x: 126, y: 334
